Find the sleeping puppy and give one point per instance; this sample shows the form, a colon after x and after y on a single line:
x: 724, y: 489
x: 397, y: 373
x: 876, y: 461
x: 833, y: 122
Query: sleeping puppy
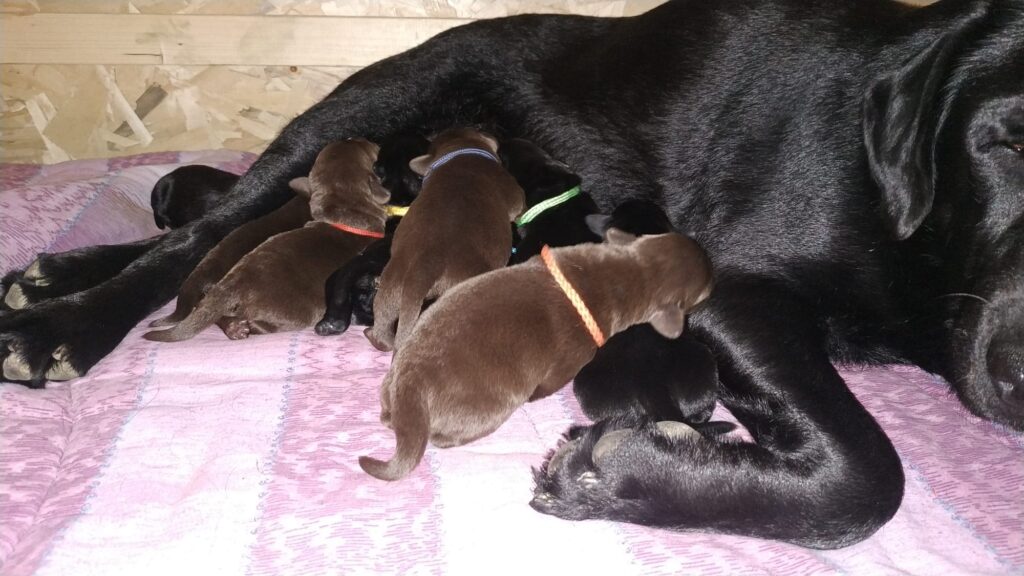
x: 229, y: 251
x: 557, y: 208
x: 279, y: 286
x: 184, y: 194
x: 457, y: 228
x: 350, y: 290
x: 639, y: 373
x: 520, y: 333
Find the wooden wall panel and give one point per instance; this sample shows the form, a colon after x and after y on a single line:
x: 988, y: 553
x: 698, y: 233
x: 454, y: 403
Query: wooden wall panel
x: 96, y: 78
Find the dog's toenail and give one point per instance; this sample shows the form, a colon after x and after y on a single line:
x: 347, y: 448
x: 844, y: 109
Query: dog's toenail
x: 587, y: 479
x: 16, y: 298
x: 16, y: 368
x: 607, y: 444
x: 61, y: 371
x: 33, y: 272
x: 676, y: 430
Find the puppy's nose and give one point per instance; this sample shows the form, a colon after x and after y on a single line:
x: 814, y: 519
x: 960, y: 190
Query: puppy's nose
x: 1006, y: 366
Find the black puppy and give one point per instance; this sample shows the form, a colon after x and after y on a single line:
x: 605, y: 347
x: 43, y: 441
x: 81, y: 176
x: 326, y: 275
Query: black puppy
x: 350, y: 289
x: 557, y: 208
x: 638, y: 373
x: 186, y: 193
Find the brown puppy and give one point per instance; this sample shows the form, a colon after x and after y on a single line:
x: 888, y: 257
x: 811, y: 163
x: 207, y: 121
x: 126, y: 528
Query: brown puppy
x: 279, y: 286
x: 514, y: 335
x: 229, y: 251
x: 457, y: 228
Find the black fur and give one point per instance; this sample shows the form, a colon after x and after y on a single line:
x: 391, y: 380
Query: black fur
x: 639, y: 373
x: 542, y: 177
x: 852, y: 168
x: 349, y: 291
x: 186, y: 193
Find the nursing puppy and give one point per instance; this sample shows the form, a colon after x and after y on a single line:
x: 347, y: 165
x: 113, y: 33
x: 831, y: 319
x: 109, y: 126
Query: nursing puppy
x: 513, y: 335
x: 229, y: 251
x: 544, y: 179
x: 458, y: 228
x: 351, y: 289
x: 186, y: 193
x: 639, y: 374
x: 279, y: 286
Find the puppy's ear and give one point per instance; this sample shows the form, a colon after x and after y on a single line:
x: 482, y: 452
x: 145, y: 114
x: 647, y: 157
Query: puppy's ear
x: 420, y: 164
x: 616, y: 236
x: 491, y: 141
x: 902, y: 115
x: 669, y: 321
x: 598, y: 223
x: 378, y: 192
x: 302, y: 187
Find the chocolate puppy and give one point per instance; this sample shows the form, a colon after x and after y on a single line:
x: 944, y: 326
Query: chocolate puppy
x: 184, y: 194
x: 457, y: 228
x: 640, y: 374
x: 522, y: 332
x: 556, y: 207
x: 350, y: 290
x: 279, y: 286
x: 229, y: 251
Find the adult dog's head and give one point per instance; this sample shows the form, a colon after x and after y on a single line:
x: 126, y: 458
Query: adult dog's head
x: 945, y: 139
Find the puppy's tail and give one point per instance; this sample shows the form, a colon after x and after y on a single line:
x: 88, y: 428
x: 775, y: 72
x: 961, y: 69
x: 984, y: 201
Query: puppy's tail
x: 410, y: 419
x: 170, y: 320
x: 203, y: 315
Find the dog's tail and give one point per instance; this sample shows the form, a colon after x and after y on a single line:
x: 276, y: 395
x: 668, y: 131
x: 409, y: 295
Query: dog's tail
x: 203, y: 315
x: 179, y: 314
x: 410, y: 419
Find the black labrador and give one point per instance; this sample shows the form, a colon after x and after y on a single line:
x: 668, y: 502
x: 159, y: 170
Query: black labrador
x: 854, y: 169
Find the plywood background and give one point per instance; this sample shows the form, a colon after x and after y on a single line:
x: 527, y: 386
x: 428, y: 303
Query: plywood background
x: 96, y: 78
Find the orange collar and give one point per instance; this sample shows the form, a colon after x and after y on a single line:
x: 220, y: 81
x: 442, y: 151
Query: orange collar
x: 357, y: 231
x: 574, y: 297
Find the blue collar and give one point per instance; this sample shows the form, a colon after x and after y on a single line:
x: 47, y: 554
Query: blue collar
x: 454, y: 154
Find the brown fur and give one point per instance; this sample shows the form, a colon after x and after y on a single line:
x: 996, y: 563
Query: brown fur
x: 511, y: 336
x: 457, y: 228
x: 279, y: 286
x: 229, y: 251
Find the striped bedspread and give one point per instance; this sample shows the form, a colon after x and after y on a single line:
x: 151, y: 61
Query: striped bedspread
x: 217, y: 457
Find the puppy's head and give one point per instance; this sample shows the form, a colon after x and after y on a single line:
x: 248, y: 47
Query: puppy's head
x: 342, y: 187
x: 678, y: 276
x: 538, y: 174
x: 450, y: 140
x: 637, y: 217
x: 392, y: 166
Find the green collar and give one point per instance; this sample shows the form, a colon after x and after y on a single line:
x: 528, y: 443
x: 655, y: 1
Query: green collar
x: 537, y: 209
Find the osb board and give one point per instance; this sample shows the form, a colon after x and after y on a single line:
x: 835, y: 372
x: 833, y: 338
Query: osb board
x: 52, y: 110
x: 52, y: 113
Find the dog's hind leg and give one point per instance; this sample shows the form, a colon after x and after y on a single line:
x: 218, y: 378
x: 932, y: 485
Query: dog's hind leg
x: 55, y: 275
x: 821, y: 473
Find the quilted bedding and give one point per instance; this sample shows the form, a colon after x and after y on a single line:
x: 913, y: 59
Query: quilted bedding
x: 217, y: 457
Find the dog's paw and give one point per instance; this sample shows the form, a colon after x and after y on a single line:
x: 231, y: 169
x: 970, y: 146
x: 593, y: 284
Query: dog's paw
x: 61, y: 338
x: 597, y: 471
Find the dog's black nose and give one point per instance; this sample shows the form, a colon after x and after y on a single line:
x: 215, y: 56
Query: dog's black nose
x: 1006, y: 366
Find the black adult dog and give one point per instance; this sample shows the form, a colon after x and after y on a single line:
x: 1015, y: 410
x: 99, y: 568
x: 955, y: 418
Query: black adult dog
x: 854, y: 169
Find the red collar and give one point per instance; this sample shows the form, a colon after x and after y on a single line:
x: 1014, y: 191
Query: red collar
x: 357, y: 231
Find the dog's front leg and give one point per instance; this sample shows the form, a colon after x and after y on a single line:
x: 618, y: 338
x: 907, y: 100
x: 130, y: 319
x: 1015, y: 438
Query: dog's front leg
x: 821, y: 473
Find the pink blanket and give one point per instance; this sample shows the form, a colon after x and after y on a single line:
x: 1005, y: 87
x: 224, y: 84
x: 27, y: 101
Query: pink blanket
x: 218, y: 457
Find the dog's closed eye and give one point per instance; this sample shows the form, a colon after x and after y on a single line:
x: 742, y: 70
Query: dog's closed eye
x: 1017, y: 147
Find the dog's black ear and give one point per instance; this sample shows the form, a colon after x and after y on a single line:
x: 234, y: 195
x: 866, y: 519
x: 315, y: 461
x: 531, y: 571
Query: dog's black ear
x: 669, y: 321
x: 902, y: 112
x: 597, y: 223
x: 420, y: 164
x: 301, y: 187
